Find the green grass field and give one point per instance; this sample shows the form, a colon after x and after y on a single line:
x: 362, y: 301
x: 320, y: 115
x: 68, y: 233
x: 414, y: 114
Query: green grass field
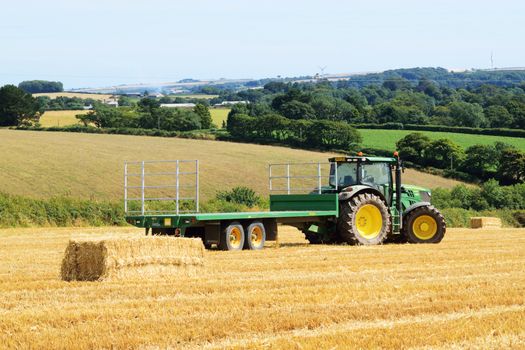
x: 90, y: 166
x: 386, y: 139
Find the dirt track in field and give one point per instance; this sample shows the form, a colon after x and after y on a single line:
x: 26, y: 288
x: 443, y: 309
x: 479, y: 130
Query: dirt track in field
x: 467, y: 292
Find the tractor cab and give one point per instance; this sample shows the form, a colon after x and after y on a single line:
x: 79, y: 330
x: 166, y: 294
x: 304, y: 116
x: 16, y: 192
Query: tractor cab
x: 371, y: 172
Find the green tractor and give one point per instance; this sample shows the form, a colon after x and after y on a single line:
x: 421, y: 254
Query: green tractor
x: 375, y: 208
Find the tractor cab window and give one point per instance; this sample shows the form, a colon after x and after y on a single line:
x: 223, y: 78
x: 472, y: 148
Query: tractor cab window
x: 346, y: 175
x: 376, y: 174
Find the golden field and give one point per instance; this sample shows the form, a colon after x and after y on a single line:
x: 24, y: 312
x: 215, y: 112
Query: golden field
x: 45, y: 164
x: 219, y: 115
x: 60, y: 118
x: 467, y: 292
x: 98, y: 97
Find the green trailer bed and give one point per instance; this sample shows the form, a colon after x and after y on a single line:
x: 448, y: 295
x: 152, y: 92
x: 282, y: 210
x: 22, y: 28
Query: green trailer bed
x: 283, y: 208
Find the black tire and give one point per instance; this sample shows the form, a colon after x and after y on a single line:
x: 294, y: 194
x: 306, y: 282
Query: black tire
x: 410, y: 224
x: 232, y: 237
x: 255, y: 236
x: 314, y: 238
x: 347, y: 224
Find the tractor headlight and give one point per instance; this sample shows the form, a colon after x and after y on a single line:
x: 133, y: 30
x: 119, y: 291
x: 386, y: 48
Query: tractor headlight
x: 426, y: 196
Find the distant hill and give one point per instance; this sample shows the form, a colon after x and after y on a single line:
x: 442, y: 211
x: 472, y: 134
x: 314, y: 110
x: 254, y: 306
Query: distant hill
x: 445, y: 77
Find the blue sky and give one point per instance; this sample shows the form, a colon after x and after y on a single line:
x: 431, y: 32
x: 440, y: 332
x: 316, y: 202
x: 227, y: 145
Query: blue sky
x: 99, y: 43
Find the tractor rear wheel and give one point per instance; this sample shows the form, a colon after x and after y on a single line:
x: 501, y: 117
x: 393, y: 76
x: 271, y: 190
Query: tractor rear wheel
x: 364, y: 220
x: 424, y: 225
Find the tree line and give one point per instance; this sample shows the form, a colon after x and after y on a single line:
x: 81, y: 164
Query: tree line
x: 148, y: 114
x: 396, y: 100
x: 499, y: 161
x: 41, y: 86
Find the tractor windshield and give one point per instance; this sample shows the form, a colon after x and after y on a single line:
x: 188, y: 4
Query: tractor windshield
x: 346, y: 175
x: 375, y: 174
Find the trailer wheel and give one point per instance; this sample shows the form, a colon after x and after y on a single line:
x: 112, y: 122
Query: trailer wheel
x: 232, y: 237
x: 424, y: 225
x: 255, y: 236
x: 364, y: 220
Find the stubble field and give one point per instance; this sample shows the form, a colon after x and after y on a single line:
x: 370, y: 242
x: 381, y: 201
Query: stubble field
x: 467, y: 292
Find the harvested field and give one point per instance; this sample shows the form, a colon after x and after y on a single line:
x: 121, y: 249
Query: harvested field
x: 52, y: 95
x: 60, y: 118
x: 467, y: 292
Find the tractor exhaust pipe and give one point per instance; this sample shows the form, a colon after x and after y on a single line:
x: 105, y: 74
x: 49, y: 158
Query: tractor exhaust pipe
x: 398, y: 190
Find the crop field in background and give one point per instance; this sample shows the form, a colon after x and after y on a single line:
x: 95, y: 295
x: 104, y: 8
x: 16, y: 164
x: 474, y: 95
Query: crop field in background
x: 99, y: 97
x: 467, y: 292
x: 386, y: 139
x: 60, y: 118
x: 91, y: 166
x: 219, y: 115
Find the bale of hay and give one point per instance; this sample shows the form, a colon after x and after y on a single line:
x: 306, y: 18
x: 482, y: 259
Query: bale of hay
x: 485, y: 222
x: 92, y: 259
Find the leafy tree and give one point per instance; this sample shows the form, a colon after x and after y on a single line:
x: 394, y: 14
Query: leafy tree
x: 397, y: 83
x: 498, y: 117
x: 429, y: 88
x: 467, y: 114
x: 239, y: 108
x: 480, y: 159
x: 290, y: 95
x: 389, y: 112
x: 511, y: 168
x: 297, y: 110
x: 412, y: 147
x: 148, y: 105
x: 240, y: 126
x: 103, y: 116
x: 17, y: 107
x: 326, y: 134
x: 276, y: 87
x: 443, y: 153
x: 517, y: 110
x: 171, y: 119
x: 41, y: 86
x: 271, y: 126
x: 204, y: 113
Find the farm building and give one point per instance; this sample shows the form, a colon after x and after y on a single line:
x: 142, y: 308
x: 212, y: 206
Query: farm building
x: 178, y: 105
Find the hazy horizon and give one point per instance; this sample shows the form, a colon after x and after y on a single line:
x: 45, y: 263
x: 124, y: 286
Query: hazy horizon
x: 98, y: 43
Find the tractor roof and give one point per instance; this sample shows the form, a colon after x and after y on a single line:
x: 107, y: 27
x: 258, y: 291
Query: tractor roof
x: 363, y: 159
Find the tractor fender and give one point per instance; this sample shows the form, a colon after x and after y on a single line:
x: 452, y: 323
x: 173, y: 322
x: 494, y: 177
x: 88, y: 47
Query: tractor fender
x: 414, y: 206
x: 355, y: 190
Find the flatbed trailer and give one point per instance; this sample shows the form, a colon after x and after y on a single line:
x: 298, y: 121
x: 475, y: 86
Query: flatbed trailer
x: 313, y: 211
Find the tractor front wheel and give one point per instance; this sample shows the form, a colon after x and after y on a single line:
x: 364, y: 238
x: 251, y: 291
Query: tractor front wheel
x: 364, y: 220
x: 424, y: 225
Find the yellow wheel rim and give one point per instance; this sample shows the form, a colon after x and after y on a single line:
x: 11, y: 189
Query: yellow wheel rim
x: 369, y: 221
x: 256, y: 236
x: 235, y: 238
x: 424, y: 227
